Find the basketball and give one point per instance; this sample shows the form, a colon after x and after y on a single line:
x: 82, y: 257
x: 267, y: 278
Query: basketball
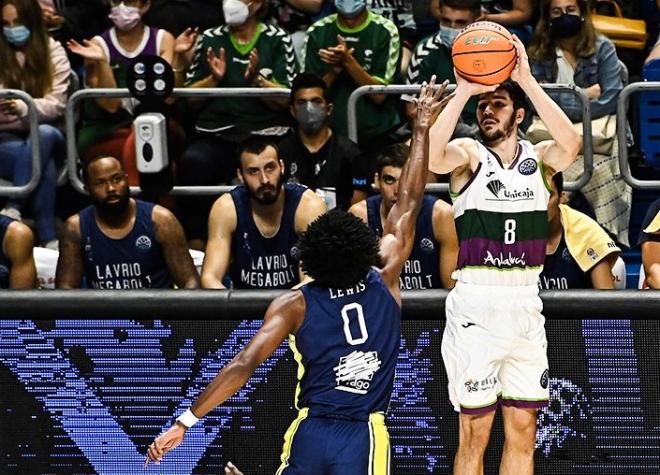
x: 483, y: 54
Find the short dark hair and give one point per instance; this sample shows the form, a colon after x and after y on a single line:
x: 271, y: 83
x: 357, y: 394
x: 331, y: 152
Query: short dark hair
x: 256, y: 144
x: 473, y: 5
x: 516, y: 94
x: 394, y: 155
x: 88, y: 163
x: 558, y: 180
x: 308, y: 81
x: 337, y: 250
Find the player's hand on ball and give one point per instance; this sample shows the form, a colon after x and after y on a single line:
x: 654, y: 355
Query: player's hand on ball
x: 472, y: 88
x: 231, y: 469
x: 429, y: 104
x: 521, y: 71
x: 165, y: 442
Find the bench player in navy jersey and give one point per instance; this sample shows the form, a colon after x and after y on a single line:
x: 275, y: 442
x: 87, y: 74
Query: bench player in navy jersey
x: 434, y: 254
x: 17, y: 268
x: 254, y: 228
x: 494, y: 344
x: 344, y: 329
x: 120, y: 242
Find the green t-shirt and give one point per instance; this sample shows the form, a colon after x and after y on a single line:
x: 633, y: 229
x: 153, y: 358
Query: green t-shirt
x: 241, y: 115
x: 376, y: 47
x: 431, y: 57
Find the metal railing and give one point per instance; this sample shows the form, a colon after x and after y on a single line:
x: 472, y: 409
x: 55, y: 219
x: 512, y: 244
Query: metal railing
x: 70, y: 117
x: 240, y: 304
x: 621, y: 119
x: 587, y: 147
x: 24, y: 190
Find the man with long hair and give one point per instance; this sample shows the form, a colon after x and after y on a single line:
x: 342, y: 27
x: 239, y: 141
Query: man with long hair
x: 494, y: 344
x: 344, y: 329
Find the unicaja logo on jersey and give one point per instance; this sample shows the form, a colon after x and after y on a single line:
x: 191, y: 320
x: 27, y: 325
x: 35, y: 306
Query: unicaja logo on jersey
x: 495, y: 186
x: 143, y: 243
x: 500, y: 191
x: 355, y: 371
x: 527, y: 166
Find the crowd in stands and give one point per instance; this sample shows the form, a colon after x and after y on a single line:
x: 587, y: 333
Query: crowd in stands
x: 322, y: 50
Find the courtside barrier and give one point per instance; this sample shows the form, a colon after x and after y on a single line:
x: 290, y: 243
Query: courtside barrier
x: 25, y: 190
x: 587, y: 147
x: 70, y: 117
x: 621, y: 119
x: 238, y: 304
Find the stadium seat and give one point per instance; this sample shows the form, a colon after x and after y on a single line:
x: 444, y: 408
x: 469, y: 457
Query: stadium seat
x: 649, y: 117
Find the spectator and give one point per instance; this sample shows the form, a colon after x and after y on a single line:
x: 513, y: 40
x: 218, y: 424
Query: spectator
x: 17, y: 269
x: 516, y: 15
x: 352, y: 48
x: 254, y: 229
x: 579, y: 253
x: 435, y: 251
x: 567, y: 49
x: 433, y: 56
x: 401, y: 13
x: 244, y: 53
x: 119, y: 242
x: 649, y: 241
x: 36, y: 64
x: 295, y: 16
x: 106, y: 128
x: 316, y: 157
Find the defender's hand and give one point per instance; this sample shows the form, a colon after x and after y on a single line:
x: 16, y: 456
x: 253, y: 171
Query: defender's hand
x: 429, y: 104
x: 168, y: 440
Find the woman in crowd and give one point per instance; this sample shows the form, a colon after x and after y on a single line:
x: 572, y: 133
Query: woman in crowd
x: 32, y: 62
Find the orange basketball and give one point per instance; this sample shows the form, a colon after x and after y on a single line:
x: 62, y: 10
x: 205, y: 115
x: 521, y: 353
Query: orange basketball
x: 482, y: 53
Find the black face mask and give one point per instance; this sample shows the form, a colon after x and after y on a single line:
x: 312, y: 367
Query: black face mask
x: 565, y: 26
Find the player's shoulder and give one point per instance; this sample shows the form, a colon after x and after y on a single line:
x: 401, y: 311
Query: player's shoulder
x: 359, y: 209
x: 442, y: 209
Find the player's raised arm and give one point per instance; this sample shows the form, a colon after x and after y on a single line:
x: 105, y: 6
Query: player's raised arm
x: 283, y: 317
x: 399, y: 227
x: 560, y: 152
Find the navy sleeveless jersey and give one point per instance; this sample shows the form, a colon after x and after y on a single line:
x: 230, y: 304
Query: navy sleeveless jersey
x: 347, y: 349
x: 260, y: 262
x: 5, y: 264
x: 422, y: 269
x: 561, y: 271
x: 134, y: 262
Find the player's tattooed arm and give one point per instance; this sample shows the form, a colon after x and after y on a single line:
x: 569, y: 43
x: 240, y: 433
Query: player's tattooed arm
x: 172, y: 239
x: 69, y: 272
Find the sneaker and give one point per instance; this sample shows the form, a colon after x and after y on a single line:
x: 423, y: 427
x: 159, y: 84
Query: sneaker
x: 13, y: 213
x: 53, y: 245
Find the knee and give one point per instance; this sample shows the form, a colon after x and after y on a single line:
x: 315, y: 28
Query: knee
x: 520, y: 430
x: 49, y: 134
x: 475, y: 433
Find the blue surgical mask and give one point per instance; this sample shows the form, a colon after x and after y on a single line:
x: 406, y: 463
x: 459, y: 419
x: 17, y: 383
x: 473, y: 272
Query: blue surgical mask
x: 17, y: 35
x: 448, y: 35
x: 350, y: 8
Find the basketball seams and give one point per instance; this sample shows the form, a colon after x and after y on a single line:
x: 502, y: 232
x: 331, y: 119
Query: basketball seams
x: 464, y: 74
x: 484, y: 51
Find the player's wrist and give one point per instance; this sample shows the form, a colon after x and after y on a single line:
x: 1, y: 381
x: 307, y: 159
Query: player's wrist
x: 187, y: 419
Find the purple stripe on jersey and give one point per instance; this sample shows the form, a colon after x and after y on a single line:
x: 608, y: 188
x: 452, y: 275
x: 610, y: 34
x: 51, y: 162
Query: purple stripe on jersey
x: 524, y: 404
x: 480, y: 410
x: 492, y: 253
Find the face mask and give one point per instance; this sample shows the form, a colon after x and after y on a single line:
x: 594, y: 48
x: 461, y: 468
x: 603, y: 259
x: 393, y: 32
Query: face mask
x: 17, y: 35
x: 311, y: 117
x: 235, y: 11
x: 448, y: 35
x: 125, y: 18
x: 565, y: 26
x: 350, y: 8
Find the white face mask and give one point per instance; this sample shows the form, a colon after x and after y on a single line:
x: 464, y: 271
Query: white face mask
x: 235, y: 11
x: 125, y: 18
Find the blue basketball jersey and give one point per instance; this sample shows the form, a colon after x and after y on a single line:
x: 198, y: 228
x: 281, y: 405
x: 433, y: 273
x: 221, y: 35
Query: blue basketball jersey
x: 5, y: 264
x: 422, y: 269
x: 134, y: 262
x: 347, y: 349
x: 561, y: 271
x: 260, y: 262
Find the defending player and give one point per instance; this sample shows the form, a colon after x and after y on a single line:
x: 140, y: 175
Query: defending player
x: 494, y: 344
x: 344, y: 329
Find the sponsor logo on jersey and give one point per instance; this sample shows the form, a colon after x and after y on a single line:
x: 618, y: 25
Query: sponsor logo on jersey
x: 592, y: 254
x: 527, y: 166
x: 501, y: 193
x: 544, y: 379
x: 484, y: 385
x: 426, y: 245
x: 566, y: 255
x: 508, y: 260
x: 143, y: 243
x: 355, y: 371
